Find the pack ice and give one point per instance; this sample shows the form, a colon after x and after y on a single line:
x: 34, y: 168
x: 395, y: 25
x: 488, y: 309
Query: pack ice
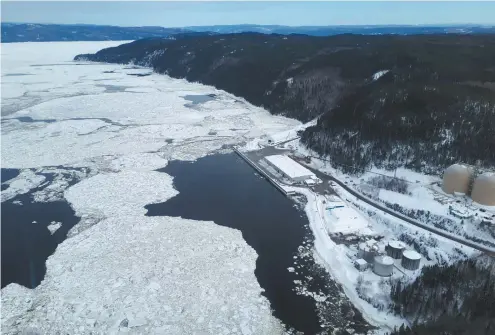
x: 128, y: 273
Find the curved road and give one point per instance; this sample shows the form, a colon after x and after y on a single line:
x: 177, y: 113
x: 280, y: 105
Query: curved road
x: 489, y: 251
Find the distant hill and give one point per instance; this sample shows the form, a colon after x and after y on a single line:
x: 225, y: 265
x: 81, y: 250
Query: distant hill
x: 420, y: 101
x: 27, y: 32
x: 337, y: 30
x: 12, y: 32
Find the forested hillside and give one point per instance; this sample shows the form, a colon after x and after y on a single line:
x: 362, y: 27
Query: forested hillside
x: 421, y: 101
x: 451, y: 300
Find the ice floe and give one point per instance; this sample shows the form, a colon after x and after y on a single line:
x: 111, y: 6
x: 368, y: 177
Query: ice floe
x: 23, y: 183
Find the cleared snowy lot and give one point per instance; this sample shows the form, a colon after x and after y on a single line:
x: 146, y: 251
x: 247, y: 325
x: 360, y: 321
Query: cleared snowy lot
x: 128, y: 273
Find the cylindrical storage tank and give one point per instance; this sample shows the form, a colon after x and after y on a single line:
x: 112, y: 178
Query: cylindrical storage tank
x: 383, y: 266
x: 484, y: 189
x: 410, y: 260
x: 395, y: 249
x: 456, y: 178
x: 369, y: 253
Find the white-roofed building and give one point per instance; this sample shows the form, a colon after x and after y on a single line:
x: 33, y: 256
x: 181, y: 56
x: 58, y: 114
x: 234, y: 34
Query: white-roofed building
x: 289, y: 168
x: 361, y: 264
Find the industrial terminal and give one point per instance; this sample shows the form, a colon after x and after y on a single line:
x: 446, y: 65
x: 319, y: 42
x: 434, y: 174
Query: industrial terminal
x: 374, y: 234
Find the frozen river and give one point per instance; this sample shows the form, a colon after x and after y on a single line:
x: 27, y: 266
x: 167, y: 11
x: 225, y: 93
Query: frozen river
x: 130, y: 241
x: 118, y: 270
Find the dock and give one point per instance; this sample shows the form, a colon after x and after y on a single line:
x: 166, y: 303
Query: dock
x: 263, y: 173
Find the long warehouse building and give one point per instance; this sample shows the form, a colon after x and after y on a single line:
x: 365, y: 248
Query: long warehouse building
x: 290, y: 168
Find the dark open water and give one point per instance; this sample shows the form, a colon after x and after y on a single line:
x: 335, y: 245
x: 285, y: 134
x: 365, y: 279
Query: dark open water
x: 27, y: 245
x: 224, y: 189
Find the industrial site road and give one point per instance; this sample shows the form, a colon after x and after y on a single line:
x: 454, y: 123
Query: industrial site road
x: 324, y: 188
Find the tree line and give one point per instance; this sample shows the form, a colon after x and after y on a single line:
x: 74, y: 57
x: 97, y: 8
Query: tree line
x: 457, y: 299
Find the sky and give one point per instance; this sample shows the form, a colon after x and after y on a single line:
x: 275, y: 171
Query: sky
x: 189, y: 13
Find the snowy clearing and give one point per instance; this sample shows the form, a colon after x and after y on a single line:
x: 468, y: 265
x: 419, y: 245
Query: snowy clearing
x: 410, y: 202
x: 340, y: 218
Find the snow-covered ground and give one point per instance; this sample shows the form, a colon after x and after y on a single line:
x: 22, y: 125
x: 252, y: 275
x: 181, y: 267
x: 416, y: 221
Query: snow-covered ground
x: 368, y: 292
x: 129, y: 272
x: 334, y: 257
x: 337, y: 259
x: 425, y: 195
x: 278, y: 137
x: 341, y: 218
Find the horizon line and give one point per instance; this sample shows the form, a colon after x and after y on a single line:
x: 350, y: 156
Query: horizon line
x: 264, y: 25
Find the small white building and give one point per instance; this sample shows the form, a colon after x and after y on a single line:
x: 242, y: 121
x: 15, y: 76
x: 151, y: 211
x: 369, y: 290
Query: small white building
x: 360, y: 264
x: 290, y: 168
x: 310, y: 182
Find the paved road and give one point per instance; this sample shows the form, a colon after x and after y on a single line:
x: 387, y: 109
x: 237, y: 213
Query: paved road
x: 286, y: 141
x: 257, y: 155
